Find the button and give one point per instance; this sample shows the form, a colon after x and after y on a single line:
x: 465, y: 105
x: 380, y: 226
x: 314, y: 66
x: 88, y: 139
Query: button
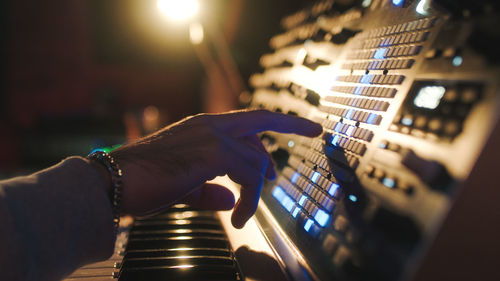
x: 452, y: 127
x: 420, y: 122
x: 469, y: 95
x: 435, y: 124
x: 341, y: 224
x: 383, y: 144
x: 407, y: 120
x: 389, y: 182
x: 321, y: 217
x: 330, y: 244
x: 450, y: 95
x: 342, y: 256
x: 394, y: 147
x: 378, y: 174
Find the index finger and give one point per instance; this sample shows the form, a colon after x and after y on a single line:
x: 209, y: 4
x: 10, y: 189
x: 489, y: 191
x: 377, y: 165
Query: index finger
x: 250, y: 122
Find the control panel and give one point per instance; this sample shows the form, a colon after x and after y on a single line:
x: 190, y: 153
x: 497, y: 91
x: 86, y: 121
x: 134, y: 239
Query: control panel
x: 407, y: 99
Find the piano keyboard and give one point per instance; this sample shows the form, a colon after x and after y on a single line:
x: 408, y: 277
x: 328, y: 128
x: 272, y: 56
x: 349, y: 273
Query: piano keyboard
x: 179, y: 244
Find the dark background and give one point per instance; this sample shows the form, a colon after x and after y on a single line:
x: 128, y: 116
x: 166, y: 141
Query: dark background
x: 79, y: 74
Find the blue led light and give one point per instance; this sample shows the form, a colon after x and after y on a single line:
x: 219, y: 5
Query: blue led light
x: 283, y: 198
x: 308, y: 224
x: 457, y: 61
x: 398, y: 2
x: 337, y: 127
x: 349, y: 131
x: 288, y: 203
x: 295, y: 212
x: 349, y: 114
x: 302, y: 200
x: 333, y: 189
x: 366, y: 79
x: 322, y: 218
x: 295, y: 177
x: 371, y: 118
x: 390, y: 183
x: 335, y: 140
x: 291, y: 143
x: 353, y: 198
x: 315, y: 177
x: 358, y: 90
x: 278, y: 193
x: 407, y: 121
x: 379, y: 54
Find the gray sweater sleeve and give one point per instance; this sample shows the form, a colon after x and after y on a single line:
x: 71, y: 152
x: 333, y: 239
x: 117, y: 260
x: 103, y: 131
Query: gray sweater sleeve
x: 53, y: 222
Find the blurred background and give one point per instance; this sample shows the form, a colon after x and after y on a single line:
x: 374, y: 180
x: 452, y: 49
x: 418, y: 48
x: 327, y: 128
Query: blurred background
x: 79, y: 75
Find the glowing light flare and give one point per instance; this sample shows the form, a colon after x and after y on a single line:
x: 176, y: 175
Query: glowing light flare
x: 196, y: 33
x: 178, y: 10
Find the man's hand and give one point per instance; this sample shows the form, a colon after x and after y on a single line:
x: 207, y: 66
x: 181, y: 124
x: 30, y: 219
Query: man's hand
x: 173, y: 164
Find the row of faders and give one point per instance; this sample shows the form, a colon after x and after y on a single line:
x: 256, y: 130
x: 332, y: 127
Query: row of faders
x: 398, y: 91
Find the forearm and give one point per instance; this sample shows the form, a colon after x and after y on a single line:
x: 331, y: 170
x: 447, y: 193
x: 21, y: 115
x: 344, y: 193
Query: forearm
x: 54, y: 221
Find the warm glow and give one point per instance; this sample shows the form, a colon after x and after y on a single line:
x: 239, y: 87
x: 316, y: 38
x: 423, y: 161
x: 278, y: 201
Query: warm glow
x: 178, y: 10
x: 196, y: 33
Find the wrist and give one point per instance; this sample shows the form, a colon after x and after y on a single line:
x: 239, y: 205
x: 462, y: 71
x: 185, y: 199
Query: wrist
x: 104, y: 175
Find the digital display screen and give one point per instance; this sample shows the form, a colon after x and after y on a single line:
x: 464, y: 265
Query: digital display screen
x: 429, y: 97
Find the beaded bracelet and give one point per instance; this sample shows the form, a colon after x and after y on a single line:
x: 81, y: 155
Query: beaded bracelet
x: 116, y: 180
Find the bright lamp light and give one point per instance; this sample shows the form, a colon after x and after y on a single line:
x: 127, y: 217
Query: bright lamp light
x: 178, y: 10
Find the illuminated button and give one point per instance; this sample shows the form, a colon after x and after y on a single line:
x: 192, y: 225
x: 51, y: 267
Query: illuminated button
x: 379, y: 53
x: 407, y: 120
x: 335, y: 140
x: 349, y: 131
x: 338, y: 127
x: 353, y: 198
x: 321, y: 217
x: 383, y: 144
x: 457, y: 61
x: 278, y: 193
x: 308, y: 224
x: 295, y: 177
x: 295, y: 212
x: 334, y: 189
x: 372, y: 119
x: 365, y: 79
x: 288, y: 203
x: 315, y: 177
x: 349, y: 113
x: 302, y: 200
x: 389, y: 182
